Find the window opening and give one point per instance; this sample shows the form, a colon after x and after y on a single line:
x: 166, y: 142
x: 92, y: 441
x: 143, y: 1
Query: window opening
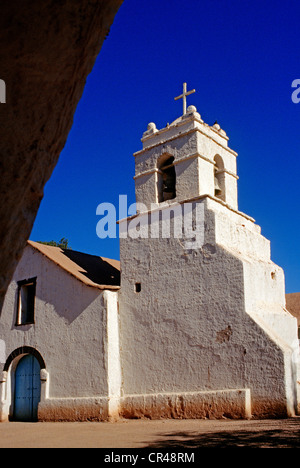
x: 26, y: 301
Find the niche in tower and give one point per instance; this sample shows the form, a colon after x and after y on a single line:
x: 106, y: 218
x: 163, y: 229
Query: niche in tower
x: 219, y: 177
x: 167, y: 179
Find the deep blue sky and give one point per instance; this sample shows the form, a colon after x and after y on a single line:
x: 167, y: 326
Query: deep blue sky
x: 241, y: 56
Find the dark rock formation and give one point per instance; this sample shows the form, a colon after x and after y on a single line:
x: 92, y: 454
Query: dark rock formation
x: 47, y: 50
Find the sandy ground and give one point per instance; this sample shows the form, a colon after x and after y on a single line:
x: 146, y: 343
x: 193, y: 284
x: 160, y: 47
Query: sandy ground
x: 154, y: 435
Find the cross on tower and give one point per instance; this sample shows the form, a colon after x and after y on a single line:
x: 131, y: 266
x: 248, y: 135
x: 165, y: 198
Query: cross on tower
x: 183, y: 96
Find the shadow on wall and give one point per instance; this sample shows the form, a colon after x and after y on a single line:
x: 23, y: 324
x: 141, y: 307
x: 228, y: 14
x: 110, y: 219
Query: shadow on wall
x: 95, y: 268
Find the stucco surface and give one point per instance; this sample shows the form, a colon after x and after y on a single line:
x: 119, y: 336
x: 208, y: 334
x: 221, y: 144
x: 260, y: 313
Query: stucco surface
x: 197, y: 323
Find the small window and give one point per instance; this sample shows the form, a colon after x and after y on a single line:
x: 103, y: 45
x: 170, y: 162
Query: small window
x: 138, y: 287
x: 26, y: 301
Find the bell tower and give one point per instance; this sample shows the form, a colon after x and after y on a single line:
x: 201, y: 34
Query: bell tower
x: 205, y: 332
x: 185, y: 160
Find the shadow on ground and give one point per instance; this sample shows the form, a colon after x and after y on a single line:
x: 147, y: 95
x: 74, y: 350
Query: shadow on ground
x: 287, y: 437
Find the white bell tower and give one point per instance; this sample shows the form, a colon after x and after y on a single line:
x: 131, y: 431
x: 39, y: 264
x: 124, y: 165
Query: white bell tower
x: 204, y: 329
x: 185, y: 160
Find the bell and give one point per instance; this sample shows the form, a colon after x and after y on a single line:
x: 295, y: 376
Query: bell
x: 217, y: 187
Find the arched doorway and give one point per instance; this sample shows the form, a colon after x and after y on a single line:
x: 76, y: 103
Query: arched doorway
x: 27, y: 389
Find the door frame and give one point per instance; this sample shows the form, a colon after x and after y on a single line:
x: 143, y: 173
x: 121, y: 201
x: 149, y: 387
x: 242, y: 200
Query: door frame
x: 25, y: 391
x: 9, y: 370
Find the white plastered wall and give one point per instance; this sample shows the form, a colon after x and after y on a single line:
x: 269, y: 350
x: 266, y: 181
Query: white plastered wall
x: 193, y: 327
x: 73, y: 325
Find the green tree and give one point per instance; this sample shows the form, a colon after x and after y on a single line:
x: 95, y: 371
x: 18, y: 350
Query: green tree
x: 63, y: 243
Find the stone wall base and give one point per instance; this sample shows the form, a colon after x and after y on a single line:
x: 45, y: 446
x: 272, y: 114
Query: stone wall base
x: 219, y: 404
x: 74, y: 409
x: 235, y: 404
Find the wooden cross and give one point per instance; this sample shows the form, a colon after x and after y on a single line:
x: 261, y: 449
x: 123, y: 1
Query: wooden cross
x: 184, y: 95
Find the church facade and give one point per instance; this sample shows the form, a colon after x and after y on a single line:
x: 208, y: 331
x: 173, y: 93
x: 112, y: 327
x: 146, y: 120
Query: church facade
x: 199, y: 326
x: 59, y: 325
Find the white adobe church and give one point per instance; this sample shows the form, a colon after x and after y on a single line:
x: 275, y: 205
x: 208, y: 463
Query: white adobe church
x: 197, y: 328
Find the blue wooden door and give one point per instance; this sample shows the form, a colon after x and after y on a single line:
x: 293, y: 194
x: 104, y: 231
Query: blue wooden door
x: 27, y: 389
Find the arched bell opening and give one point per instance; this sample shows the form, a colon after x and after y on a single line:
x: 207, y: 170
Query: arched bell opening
x: 166, y: 179
x: 219, y: 182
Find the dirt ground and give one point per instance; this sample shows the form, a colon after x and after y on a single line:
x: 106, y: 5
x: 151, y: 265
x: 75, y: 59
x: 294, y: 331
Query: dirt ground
x: 154, y: 435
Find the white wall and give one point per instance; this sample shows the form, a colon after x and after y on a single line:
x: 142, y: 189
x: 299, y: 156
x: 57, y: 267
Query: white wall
x: 70, y: 333
x: 190, y: 329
